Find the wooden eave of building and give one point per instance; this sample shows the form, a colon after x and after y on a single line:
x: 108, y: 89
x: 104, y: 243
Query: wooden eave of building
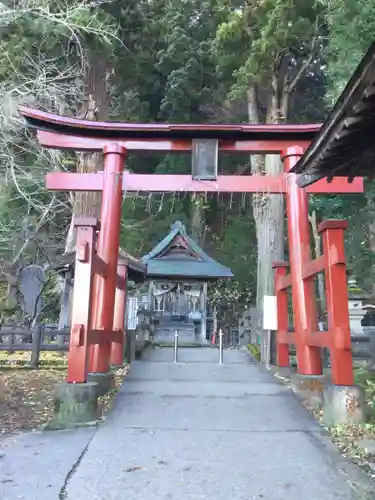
x: 193, y: 263
x: 345, y: 145
x: 136, y: 269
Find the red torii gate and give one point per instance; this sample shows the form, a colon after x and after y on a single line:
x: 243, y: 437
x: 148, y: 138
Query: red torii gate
x: 95, y: 325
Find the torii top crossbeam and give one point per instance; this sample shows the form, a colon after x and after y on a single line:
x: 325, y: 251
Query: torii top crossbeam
x: 60, y: 132
x: 56, y: 131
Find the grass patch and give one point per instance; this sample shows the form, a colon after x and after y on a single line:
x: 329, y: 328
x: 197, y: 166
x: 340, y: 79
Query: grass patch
x: 20, y: 359
x: 255, y: 351
x: 352, y: 439
x: 26, y: 400
x: 26, y: 395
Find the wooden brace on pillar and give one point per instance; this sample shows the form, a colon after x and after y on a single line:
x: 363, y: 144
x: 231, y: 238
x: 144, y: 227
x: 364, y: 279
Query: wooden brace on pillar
x: 337, y: 338
x: 82, y: 299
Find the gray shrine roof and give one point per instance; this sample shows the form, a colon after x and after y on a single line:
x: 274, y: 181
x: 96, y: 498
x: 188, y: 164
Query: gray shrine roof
x: 136, y: 269
x: 179, y: 256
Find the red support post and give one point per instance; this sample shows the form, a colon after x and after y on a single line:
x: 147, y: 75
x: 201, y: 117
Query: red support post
x: 282, y: 349
x: 108, y: 247
x: 82, y: 300
x: 117, y: 351
x: 337, y: 301
x: 309, y: 358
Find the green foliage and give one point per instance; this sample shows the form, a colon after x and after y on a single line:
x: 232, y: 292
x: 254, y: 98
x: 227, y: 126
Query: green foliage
x: 366, y: 380
x: 185, y: 60
x: 351, y: 26
x: 51, y: 300
x: 353, y: 207
x: 235, y: 248
x: 177, y: 81
x: 257, y: 37
x: 175, y: 61
x: 42, y: 63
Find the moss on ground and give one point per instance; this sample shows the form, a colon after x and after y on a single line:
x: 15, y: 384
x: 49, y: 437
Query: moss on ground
x: 255, y: 350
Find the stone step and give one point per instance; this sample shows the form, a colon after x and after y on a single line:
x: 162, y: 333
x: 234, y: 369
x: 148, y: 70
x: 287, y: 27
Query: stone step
x: 179, y: 328
x: 166, y: 334
x: 170, y: 335
x: 174, y: 324
x: 172, y: 330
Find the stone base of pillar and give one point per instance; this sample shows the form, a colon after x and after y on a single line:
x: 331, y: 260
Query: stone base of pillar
x: 343, y: 405
x: 104, y: 382
x: 281, y: 371
x: 309, y: 388
x: 76, y: 405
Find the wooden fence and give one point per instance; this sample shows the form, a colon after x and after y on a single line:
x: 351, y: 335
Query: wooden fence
x: 363, y: 349
x: 362, y: 343
x: 48, y: 338
x: 42, y: 338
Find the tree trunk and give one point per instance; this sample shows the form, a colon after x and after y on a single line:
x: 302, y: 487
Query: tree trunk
x: 87, y: 203
x: 268, y: 209
x: 197, y: 218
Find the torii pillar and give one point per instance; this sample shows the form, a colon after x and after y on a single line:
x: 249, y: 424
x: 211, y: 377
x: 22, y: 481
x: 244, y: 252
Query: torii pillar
x: 108, y: 248
x: 309, y: 358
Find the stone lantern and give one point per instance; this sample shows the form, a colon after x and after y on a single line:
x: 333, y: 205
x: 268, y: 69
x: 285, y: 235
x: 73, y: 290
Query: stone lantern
x: 369, y: 332
x: 357, y: 298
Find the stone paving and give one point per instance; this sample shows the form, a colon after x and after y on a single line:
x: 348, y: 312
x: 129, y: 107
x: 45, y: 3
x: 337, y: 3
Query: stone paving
x: 193, y: 430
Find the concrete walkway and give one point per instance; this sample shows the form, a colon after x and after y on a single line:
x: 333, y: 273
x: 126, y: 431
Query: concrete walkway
x: 193, y: 430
